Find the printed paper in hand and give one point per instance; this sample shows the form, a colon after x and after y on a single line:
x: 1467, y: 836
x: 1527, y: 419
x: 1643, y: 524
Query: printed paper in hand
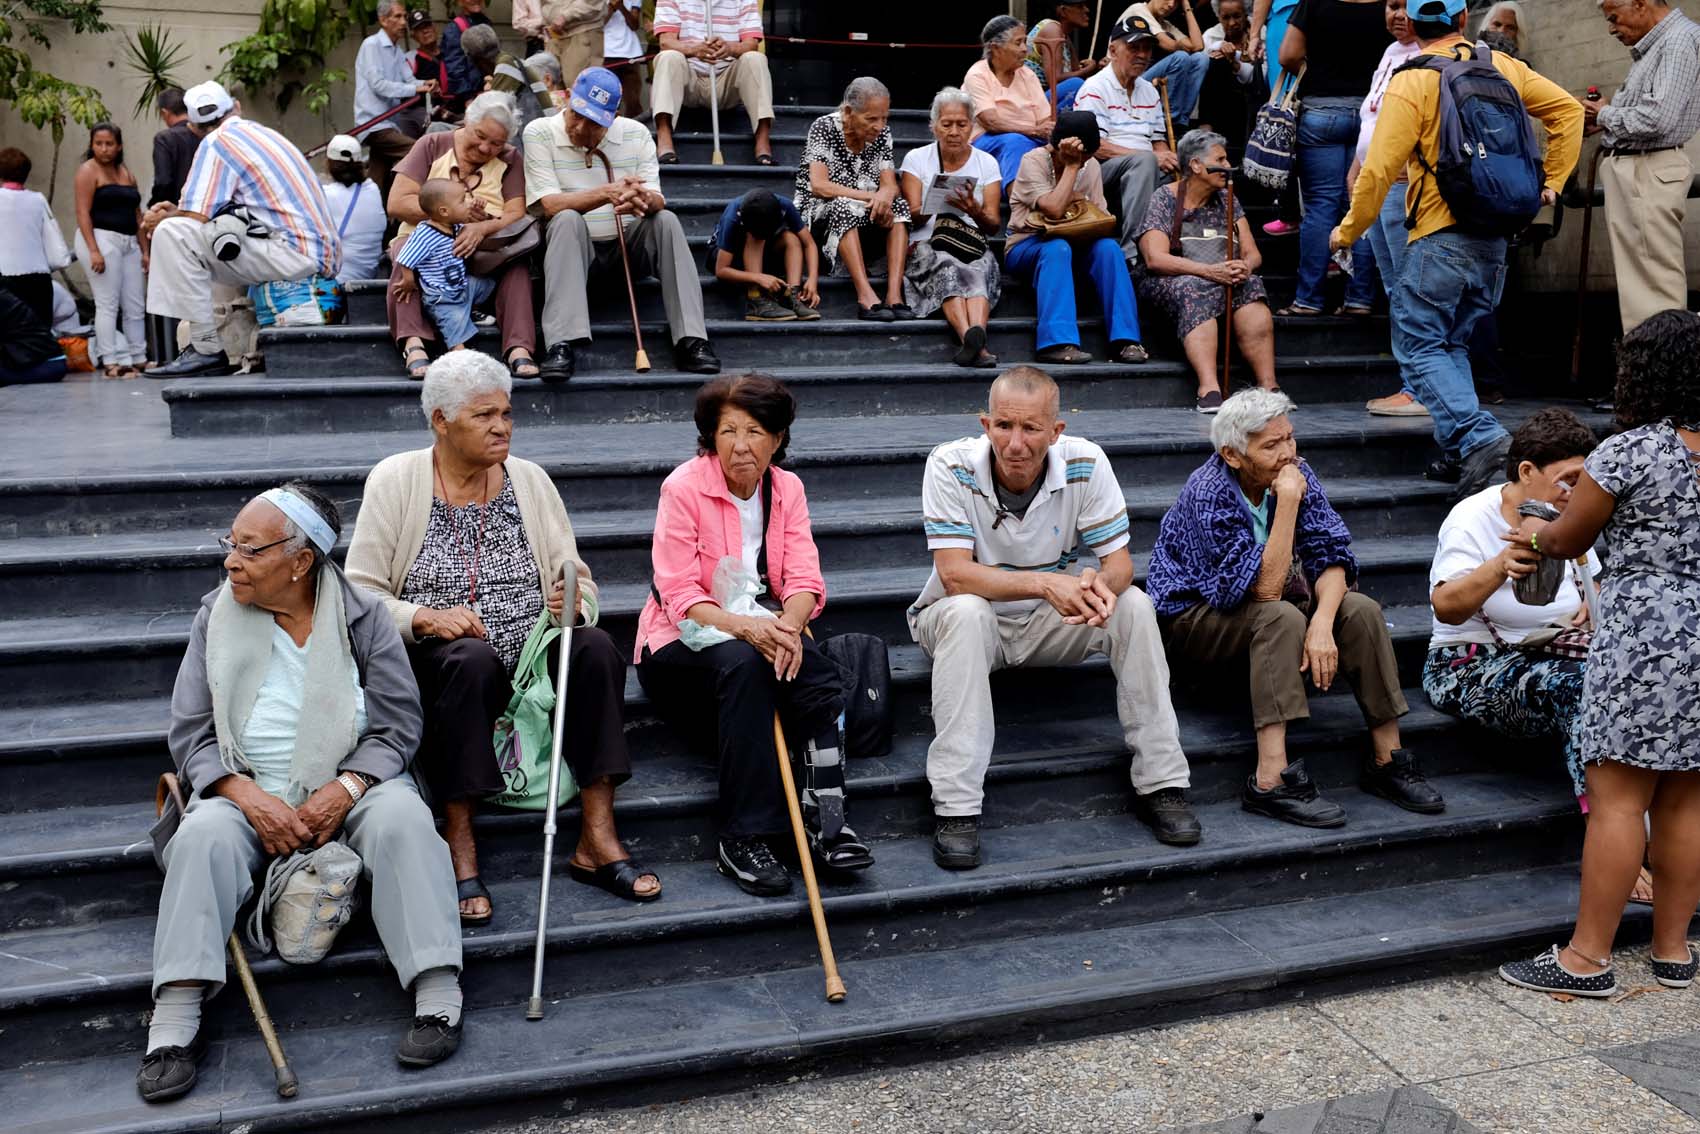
x: 945, y: 186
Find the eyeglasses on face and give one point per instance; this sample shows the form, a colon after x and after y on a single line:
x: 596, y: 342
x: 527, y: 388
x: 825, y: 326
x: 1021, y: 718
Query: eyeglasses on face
x: 247, y: 550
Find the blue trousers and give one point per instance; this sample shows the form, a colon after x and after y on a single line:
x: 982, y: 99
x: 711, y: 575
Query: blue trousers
x: 1049, y: 265
x: 1066, y: 90
x: 1185, y: 72
x: 1008, y: 150
x: 1328, y: 137
x: 1387, y: 239
x: 451, y: 309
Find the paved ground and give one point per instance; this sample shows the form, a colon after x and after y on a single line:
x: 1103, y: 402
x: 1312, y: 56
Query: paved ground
x: 1447, y: 1056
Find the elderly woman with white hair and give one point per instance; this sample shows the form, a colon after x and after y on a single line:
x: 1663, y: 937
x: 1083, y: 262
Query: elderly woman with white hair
x: 1506, y: 18
x: 951, y: 266
x: 1253, y: 564
x: 466, y: 546
x: 477, y: 156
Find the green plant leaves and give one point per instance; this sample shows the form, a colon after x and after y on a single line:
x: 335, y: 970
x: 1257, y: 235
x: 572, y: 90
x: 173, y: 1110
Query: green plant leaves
x: 152, y: 57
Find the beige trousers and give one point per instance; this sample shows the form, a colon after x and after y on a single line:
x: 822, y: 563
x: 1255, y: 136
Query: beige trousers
x: 1646, y: 202
x: 745, y: 83
x: 185, y: 273
x: 575, y: 51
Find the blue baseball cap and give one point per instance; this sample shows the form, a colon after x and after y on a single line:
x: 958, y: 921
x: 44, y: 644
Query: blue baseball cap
x: 596, y: 95
x: 1437, y: 10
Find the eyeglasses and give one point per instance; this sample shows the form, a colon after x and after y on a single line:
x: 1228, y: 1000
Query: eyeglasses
x: 248, y: 550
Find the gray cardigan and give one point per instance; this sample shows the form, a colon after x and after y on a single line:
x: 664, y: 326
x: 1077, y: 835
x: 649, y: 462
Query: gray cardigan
x: 394, y: 722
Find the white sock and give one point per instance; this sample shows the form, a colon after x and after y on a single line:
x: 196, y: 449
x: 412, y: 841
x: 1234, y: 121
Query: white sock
x: 176, y: 1017
x: 437, y: 993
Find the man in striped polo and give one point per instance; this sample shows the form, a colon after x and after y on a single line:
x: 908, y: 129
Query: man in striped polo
x: 251, y: 212
x: 1006, y: 516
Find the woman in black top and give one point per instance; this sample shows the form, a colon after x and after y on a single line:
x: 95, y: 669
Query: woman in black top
x: 109, y: 212
x: 1339, y: 43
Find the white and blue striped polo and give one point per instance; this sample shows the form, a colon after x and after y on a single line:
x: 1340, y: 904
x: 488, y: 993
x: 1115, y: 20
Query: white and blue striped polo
x: 430, y: 252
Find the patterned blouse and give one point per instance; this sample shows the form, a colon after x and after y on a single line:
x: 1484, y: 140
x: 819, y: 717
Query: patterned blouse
x: 509, y: 595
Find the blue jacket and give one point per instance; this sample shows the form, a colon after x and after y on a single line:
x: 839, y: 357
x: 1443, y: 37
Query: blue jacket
x: 465, y: 79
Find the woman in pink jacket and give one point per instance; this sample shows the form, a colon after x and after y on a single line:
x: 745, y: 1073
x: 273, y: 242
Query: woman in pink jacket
x: 700, y: 662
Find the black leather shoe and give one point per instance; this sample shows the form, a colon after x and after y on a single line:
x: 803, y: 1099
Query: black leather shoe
x: 695, y: 356
x: 170, y: 1072
x: 1481, y: 466
x: 558, y: 362
x: 1169, y: 816
x: 1401, y: 781
x: 193, y: 364
x: 429, y: 1040
x: 1294, y: 800
x: 1442, y: 469
x: 956, y: 842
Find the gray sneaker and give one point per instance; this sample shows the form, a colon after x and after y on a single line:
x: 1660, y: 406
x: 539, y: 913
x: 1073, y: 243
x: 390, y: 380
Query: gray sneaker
x: 763, y: 309
x: 1482, y: 466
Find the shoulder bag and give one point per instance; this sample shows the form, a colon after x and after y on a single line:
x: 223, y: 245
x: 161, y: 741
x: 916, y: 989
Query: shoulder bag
x: 957, y: 238
x: 1082, y: 220
x: 521, y: 238
x: 1274, y: 138
x: 524, y: 731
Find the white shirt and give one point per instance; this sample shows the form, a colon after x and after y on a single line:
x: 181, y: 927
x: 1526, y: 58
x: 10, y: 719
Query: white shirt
x: 33, y: 244
x: 268, y: 736
x: 1215, y: 37
x: 363, y: 235
x: 1469, y: 538
x: 749, y: 526
x: 619, y: 39
x: 1132, y: 119
x: 1078, y: 504
x: 923, y: 163
x: 1395, y: 57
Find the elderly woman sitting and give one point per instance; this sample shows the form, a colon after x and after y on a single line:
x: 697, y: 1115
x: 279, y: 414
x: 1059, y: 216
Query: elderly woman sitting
x: 1184, y: 243
x: 846, y: 182
x: 1252, y: 563
x: 942, y: 276
x: 293, y: 719
x: 1479, y: 665
x: 731, y: 521
x: 477, y: 156
x: 1012, y: 113
x: 466, y: 546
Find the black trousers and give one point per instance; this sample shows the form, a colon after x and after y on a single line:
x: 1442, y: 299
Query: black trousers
x: 733, y: 686
x: 464, y: 687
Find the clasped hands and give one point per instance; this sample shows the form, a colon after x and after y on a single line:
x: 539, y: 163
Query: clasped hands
x: 1082, y: 600
x: 282, y: 828
x: 777, y: 640
x: 628, y: 196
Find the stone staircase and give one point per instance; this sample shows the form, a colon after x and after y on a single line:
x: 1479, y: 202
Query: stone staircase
x: 1079, y: 919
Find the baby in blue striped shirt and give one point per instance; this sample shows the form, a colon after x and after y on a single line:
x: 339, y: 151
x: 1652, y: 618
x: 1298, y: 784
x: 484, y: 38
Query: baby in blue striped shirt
x: 431, y: 268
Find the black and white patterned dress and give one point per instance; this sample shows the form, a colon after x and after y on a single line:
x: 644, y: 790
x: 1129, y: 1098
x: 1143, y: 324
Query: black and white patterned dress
x: 510, y: 596
x: 854, y: 169
x: 1642, y: 692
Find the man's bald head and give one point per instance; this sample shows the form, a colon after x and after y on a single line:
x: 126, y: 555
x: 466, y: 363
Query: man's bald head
x: 1025, y: 382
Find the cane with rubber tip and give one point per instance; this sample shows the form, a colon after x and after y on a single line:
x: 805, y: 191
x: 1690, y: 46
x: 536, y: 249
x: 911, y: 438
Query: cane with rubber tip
x: 287, y: 1084
x: 1227, y: 297
x: 834, y: 983
x: 1162, y: 85
x: 641, y: 364
x: 713, y: 90
x: 557, y: 730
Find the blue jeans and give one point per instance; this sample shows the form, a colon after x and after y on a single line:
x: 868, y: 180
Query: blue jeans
x: 1328, y: 137
x: 1049, y: 264
x: 1185, y: 72
x: 1450, y: 281
x: 451, y: 308
x: 1387, y: 237
x: 1066, y: 90
x: 1007, y: 150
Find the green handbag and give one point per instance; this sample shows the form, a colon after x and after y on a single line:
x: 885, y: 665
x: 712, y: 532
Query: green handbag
x: 523, y: 732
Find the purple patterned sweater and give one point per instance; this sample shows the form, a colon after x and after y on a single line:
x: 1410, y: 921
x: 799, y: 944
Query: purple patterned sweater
x: 1206, y: 551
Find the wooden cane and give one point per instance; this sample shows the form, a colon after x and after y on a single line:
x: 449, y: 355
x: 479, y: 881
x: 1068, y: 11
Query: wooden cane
x: 1228, y: 300
x: 1162, y: 85
x: 834, y: 984
x: 641, y: 365
x: 1092, y: 44
x: 1582, y: 267
x: 287, y: 1084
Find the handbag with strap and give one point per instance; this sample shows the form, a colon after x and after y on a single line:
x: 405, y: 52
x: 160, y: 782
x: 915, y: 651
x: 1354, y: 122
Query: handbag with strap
x: 1082, y: 220
x: 1274, y: 138
x: 958, y: 239
x: 523, y: 733
x: 508, y: 243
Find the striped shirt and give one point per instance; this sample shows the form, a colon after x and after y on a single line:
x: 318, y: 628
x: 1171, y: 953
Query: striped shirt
x: 430, y: 252
x: 1659, y: 102
x: 244, y: 163
x: 554, y: 165
x: 734, y: 20
x: 1079, y: 504
x: 1128, y: 117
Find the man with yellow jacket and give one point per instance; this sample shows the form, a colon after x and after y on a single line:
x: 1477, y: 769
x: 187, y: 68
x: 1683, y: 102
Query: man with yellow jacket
x: 1451, y: 278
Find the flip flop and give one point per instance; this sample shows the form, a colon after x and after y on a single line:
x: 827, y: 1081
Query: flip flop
x: 668, y: 158
x: 764, y: 159
x: 465, y: 890
x: 522, y: 366
x: 618, y: 878
x: 1297, y: 312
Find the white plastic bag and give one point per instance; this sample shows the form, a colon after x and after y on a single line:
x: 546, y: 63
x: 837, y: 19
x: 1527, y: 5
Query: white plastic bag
x: 737, y: 590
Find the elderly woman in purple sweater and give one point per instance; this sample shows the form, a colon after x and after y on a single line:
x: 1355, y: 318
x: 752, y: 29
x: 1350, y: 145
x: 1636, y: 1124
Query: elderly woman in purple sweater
x: 1253, y: 563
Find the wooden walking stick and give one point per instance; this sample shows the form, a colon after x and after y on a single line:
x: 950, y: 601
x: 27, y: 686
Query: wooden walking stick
x: 1162, y: 85
x: 1228, y: 299
x: 1092, y: 44
x: 834, y: 984
x: 641, y: 365
x: 287, y: 1085
x: 1582, y: 266
x: 569, y: 599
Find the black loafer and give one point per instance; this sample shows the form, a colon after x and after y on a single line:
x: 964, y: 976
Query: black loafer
x: 901, y: 312
x: 558, y: 363
x: 1169, y: 816
x: 193, y: 364
x: 1401, y: 781
x: 428, y: 1041
x: 1294, y: 800
x: 956, y: 842
x: 170, y: 1072
x: 695, y: 356
x: 973, y: 342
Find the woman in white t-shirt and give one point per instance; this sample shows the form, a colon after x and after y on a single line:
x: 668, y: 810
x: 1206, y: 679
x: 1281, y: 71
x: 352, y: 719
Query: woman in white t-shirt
x: 1477, y: 667
x: 935, y: 279
x: 357, y: 207
x: 622, y: 47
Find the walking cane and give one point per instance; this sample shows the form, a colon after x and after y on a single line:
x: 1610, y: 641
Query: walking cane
x: 1162, y: 85
x: 1092, y: 44
x: 834, y: 984
x: 641, y: 364
x: 1582, y: 266
x: 287, y: 1084
x: 1227, y: 299
x: 713, y: 91
x: 557, y: 729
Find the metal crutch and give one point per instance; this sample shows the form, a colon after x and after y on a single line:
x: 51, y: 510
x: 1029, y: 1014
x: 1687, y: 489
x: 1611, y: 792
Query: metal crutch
x: 557, y: 729
x: 713, y: 95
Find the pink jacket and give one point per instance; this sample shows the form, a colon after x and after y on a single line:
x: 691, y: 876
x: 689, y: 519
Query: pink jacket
x: 697, y: 525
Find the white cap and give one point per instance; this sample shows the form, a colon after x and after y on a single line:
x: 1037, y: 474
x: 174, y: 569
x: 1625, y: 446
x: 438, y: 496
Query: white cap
x: 344, y: 147
x: 207, y: 102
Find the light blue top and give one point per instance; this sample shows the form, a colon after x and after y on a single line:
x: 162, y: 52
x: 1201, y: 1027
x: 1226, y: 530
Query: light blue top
x: 382, y: 78
x: 268, y: 739
x: 1259, y: 517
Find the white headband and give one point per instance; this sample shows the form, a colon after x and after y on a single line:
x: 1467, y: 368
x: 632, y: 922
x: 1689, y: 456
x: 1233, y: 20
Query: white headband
x: 306, y: 517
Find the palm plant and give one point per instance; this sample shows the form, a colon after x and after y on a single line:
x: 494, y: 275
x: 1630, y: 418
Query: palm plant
x: 152, y: 57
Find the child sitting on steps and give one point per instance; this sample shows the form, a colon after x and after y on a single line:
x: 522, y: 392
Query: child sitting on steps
x: 431, y: 268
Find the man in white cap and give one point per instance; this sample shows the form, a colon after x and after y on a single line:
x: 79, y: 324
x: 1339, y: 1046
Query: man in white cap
x: 383, y: 80
x: 251, y: 212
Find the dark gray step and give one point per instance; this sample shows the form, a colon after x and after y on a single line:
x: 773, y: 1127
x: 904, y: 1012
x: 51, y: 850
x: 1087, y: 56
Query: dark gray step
x: 296, y: 351
x: 725, y: 182
x: 1037, y: 878
x: 683, y: 1028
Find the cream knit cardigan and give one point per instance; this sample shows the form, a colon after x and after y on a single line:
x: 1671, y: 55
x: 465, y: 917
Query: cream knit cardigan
x: 390, y: 531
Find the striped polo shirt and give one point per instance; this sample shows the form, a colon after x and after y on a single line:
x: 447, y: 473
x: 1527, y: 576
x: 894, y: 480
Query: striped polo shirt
x: 554, y: 165
x: 430, y: 252
x: 245, y: 163
x: 1078, y: 505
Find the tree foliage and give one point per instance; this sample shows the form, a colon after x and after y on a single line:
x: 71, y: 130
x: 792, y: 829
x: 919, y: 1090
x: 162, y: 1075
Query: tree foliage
x: 287, y: 54
x: 40, y: 98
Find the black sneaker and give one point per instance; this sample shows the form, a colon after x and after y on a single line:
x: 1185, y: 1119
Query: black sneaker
x: 762, y: 308
x: 791, y: 298
x: 1675, y: 974
x: 1169, y: 816
x: 956, y: 842
x: 1209, y: 402
x: 695, y: 356
x: 557, y: 364
x: 1401, y: 781
x: 750, y: 863
x: 170, y: 1072
x: 428, y: 1041
x: 1294, y: 800
x: 1543, y: 973
x: 1482, y: 466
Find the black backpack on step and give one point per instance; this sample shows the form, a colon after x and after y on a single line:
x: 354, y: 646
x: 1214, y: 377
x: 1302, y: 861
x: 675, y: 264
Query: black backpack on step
x: 866, y: 670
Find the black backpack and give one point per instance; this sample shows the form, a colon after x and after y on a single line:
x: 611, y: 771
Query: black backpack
x: 866, y: 670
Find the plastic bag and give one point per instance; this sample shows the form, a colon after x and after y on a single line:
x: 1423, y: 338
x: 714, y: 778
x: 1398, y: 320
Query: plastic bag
x: 316, y: 301
x: 737, y: 590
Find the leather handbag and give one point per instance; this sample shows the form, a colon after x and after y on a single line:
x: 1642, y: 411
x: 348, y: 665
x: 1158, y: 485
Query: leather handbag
x: 1274, y: 138
x: 506, y: 244
x: 1082, y: 220
x: 958, y: 239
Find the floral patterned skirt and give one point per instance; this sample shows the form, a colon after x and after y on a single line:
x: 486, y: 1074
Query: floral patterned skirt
x: 930, y: 277
x: 1192, y: 302
x: 1513, y: 692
